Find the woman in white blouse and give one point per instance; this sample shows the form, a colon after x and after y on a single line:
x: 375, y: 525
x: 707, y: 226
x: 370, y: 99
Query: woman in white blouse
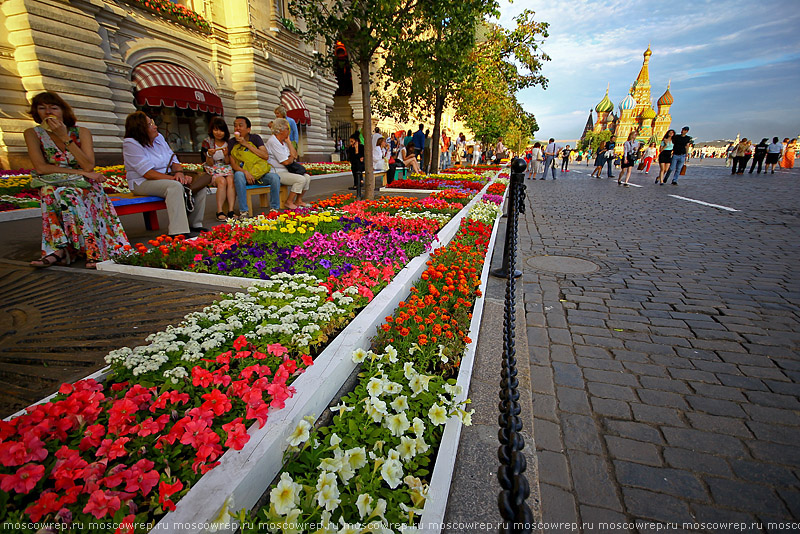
x: 148, y: 161
x: 282, y: 154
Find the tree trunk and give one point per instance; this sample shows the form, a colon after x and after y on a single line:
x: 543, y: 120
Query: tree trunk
x: 437, y: 136
x: 366, y: 130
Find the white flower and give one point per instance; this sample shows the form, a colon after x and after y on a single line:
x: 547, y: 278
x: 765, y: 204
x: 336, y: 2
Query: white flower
x: 391, y: 354
x: 419, y: 383
x: 359, y: 355
x: 379, y: 510
x: 397, y: 424
x: 422, y: 447
x: 364, y: 504
x: 328, y: 497
x: 300, y: 434
x: 335, y: 440
x: 392, y: 473
x: 418, y: 425
x: 442, y: 355
x: 454, y: 390
x: 407, y: 448
x: 356, y: 457
x: 412, y: 482
x: 408, y: 370
x: 284, y: 496
x: 342, y: 407
x: 392, y: 455
x: 400, y: 404
x: 330, y: 464
x: 375, y: 386
x: 437, y: 415
x: 465, y: 416
x: 392, y: 388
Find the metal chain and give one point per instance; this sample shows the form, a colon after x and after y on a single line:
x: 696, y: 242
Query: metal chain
x: 515, y: 489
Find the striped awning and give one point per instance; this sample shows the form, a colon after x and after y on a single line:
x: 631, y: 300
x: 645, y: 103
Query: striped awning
x: 165, y: 84
x: 295, y: 108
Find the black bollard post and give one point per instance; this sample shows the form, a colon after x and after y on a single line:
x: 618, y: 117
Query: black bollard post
x: 516, y: 513
x: 518, y: 167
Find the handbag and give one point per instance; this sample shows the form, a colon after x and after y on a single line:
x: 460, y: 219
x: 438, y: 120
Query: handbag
x: 641, y: 166
x: 59, y: 179
x: 683, y: 171
x: 296, y: 168
x: 201, y: 181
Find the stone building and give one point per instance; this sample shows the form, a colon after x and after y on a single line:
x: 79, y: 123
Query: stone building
x: 636, y: 111
x: 180, y: 62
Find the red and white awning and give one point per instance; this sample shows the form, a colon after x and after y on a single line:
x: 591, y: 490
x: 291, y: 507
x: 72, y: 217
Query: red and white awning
x: 295, y: 108
x: 166, y: 84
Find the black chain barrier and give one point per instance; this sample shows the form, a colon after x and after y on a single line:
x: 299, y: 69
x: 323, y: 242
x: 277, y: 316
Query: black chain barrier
x: 515, y: 489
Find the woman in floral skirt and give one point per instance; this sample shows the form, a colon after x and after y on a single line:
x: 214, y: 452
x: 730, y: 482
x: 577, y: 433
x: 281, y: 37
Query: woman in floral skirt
x: 77, y: 216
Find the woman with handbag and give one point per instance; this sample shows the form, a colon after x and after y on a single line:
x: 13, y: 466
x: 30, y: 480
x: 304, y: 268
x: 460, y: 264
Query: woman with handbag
x: 665, y: 156
x: 153, y: 169
x: 77, y: 216
x: 629, y: 150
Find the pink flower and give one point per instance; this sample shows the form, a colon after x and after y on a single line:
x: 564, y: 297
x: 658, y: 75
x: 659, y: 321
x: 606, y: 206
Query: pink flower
x: 276, y: 349
x: 217, y: 402
x: 24, y: 480
x: 100, y: 505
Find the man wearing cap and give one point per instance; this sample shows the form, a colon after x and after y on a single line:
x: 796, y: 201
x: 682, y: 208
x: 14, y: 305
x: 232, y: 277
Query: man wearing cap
x: 680, y: 144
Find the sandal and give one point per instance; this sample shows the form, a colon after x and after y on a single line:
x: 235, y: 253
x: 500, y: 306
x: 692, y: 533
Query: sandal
x: 54, y: 258
x: 231, y: 215
x: 221, y: 217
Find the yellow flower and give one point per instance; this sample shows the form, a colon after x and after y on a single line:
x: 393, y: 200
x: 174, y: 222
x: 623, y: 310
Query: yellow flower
x: 284, y: 496
x: 437, y: 415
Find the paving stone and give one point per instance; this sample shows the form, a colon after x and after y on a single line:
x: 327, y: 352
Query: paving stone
x: 542, y: 379
x: 664, y: 384
x: 616, y: 409
x: 591, y: 352
x: 661, y: 398
x: 745, y: 496
x: 717, y: 367
x: 566, y: 374
x: 660, y: 479
x: 547, y: 435
x: 603, y: 519
x: 634, y: 451
x: 715, y: 406
x: 775, y: 452
x: 645, y: 369
x: 562, y: 353
x: 775, y: 432
x: 631, y: 356
x: 580, y: 433
x: 559, y: 336
x: 606, y: 342
x: 634, y: 431
x: 723, y: 425
x: 553, y: 469
x: 610, y: 377
x: 772, y: 415
x: 537, y: 337
x: 660, y: 415
x: 696, y: 462
x: 657, y: 506
x: 599, y: 363
x: 573, y: 400
x: 722, y: 516
x: 742, y: 382
x: 558, y: 506
x: 701, y: 441
x: 775, y: 400
x: 591, y: 480
x: 610, y: 391
x: 544, y: 406
x: 764, y: 473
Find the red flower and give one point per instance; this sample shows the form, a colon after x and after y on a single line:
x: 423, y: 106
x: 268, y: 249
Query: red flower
x: 93, y: 436
x: 100, y: 505
x: 259, y: 412
x: 192, y: 431
x: 126, y: 526
x: 24, y: 480
x: 141, y: 477
x: 237, y: 436
x: 217, y: 402
x: 240, y: 343
x: 307, y: 360
x: 201, y: 377
x: 276, y: 349
x: 113, y: 448
x: 166, y: 490
x: 46, y: 504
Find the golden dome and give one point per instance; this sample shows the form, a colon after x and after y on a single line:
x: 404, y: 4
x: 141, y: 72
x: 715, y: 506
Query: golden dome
x: 648, y: 113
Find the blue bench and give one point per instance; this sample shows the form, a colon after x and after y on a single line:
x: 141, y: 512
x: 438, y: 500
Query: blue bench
x: 127, y: 203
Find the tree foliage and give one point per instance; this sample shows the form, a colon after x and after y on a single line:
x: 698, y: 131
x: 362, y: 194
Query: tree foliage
x: 424, y: 71
x: 365, y: 28
x: 595, y: 140
x: 505, y: 62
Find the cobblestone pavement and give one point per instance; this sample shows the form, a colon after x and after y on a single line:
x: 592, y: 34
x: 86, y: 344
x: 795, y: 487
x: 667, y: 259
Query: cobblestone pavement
x: 666, y: 384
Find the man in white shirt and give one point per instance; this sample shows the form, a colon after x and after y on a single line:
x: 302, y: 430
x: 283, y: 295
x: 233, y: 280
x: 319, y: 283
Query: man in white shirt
x: 550, y: 158
x: 774, y: 151
x: 282, y: 154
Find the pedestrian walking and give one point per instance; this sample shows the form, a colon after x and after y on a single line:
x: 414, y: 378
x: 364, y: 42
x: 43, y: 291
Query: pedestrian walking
x: 629, y: 150
x: 610, y: 146
x: 566, y: 152
x: 759, y: 153
x: 774, y: 151
x: 599, y: 163
x: 729, y: 153
x: 536, y: 157
x: 550, y: 152
x: 680, y: 146
x: 649, y: 155
x: 741, y: 155
x: 787, y: 161
x: 476, y: 154
x: 665, y: 156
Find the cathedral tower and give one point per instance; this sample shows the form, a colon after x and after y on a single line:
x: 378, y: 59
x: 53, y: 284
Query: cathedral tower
x: 663, y: 119
x: 603, y: 108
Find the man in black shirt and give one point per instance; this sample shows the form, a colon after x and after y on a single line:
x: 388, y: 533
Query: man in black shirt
x: 610, y: 155
x: 759, y: 154
x: 679, y: 149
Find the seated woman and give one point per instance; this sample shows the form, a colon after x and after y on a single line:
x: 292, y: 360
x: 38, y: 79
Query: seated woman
x: 282, y: 154
x: 77, y: 216
x: 217, y: 162
x: 148, y: 158
x: 409, y: 158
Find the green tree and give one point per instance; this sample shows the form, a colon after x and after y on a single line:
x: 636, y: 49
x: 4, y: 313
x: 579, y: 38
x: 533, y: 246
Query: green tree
x: 365, y: 28
x: 424, y: 70
x: 505, y: 61
x: 595, y: 140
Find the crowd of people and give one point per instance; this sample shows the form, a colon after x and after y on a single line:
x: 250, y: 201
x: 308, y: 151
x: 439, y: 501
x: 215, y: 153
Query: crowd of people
x: 670, y: 154
x: 78, y: 218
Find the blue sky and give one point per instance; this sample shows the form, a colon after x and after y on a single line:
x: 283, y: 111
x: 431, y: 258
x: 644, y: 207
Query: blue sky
x: 734, y: 65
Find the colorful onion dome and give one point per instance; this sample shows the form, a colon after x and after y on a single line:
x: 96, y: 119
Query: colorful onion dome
x: 648, y: 113
x: 666, y: 99
x: 605, y: 105
x: 628, y: 103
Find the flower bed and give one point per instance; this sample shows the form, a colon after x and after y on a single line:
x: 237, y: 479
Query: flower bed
x: 467, y: 182
x: 326, y: 167
x: 369, y: 468
x: 176, y: 12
